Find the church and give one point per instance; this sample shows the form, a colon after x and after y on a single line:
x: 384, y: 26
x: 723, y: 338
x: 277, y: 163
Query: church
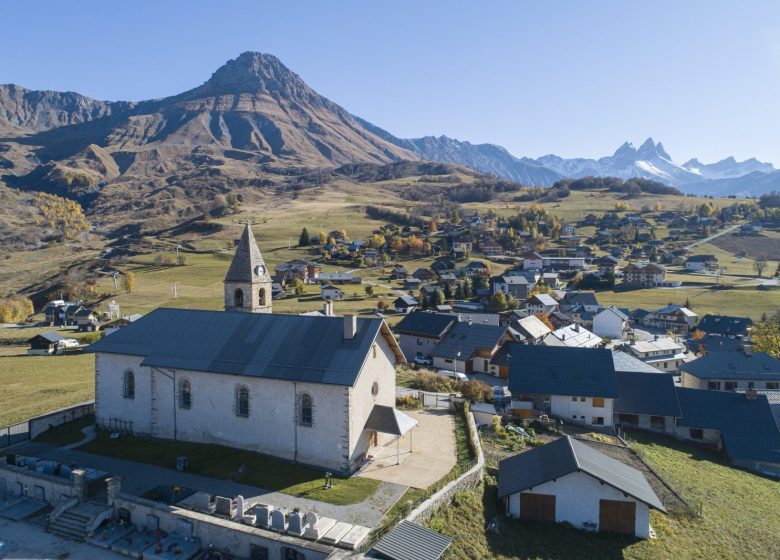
x: 314, y: 390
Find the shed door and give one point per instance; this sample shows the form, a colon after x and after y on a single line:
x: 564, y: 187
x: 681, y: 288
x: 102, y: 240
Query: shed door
x: 617, y: 516
x: 537, y: 507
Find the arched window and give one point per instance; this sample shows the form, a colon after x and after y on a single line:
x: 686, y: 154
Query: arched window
x: 242, y: 401
x: 238, y: 298
x: 262, y: 296
x: 307, y: 410
x: 128, y: 385
x: 185, y: 394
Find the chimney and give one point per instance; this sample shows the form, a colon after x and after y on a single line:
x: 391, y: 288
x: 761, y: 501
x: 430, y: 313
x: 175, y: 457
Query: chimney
x: 350, y: 326
x: 747, y: 348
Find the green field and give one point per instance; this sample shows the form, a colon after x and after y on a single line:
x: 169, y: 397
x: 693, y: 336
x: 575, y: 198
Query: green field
x: 739, y: 518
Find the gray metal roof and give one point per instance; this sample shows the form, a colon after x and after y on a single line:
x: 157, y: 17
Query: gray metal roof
x: 466, y: 338
x: 388, y: 420
x: 724, y: 325
x: 291, y: 347
x: 734, y: 365
x: 493, y: 319
x: 409, y: 541
x: 627, y: 362
x: 246, y: 259
x: 49, y: 336
x: 567, y: 455
x: 558, y: 370
x: 647, y: 393
x: 425, y: 323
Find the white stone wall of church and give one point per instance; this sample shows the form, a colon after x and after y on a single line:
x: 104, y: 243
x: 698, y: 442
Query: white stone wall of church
x: 110, y: 403
x: 577, y: 497
x: 382, y: 370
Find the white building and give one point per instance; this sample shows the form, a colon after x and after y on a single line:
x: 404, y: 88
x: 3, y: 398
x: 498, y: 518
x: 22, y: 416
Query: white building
x: 569, y: 481
x: 572, y: 336
x: 331, y: 293
x: 662, y: 353
x: 314, y: 390
x: 610, y: 323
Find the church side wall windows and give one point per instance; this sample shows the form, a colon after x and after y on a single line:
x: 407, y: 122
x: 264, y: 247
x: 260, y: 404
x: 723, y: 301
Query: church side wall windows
x: 242, y: 401
x: 185, y: 394
x: 128, y: 385
x: 307, y: 410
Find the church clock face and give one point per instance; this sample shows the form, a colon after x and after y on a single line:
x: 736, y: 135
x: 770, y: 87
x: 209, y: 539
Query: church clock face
x: 259, y: 270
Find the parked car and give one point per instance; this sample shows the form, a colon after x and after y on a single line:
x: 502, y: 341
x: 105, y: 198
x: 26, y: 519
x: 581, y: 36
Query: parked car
x: 423, y: 361
x: 456, y: 375
x: 501, y: 395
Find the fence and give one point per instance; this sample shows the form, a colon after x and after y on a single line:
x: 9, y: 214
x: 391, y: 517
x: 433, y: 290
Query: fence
x: 32, y: 428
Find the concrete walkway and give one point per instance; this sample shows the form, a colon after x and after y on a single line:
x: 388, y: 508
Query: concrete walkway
x: 27, y: 540
x: 138, y: 478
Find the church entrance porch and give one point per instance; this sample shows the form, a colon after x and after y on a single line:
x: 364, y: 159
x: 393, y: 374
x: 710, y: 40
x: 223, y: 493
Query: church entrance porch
x: 417, y: 463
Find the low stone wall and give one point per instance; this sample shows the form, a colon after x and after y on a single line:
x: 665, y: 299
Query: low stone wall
x: 40, y: 424
x: 224, y: 535
x: 24, y: 482
x: 469, y: 479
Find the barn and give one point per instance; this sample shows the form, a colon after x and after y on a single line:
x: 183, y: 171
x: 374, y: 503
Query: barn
x: 569, y: 481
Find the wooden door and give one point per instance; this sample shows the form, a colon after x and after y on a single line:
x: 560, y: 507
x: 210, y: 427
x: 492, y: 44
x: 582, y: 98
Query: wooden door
x: 372, y: 440
x: 537, y: 507
x: 617, y: 516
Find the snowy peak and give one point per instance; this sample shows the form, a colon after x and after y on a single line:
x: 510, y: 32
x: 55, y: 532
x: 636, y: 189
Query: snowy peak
x: 727, y: 168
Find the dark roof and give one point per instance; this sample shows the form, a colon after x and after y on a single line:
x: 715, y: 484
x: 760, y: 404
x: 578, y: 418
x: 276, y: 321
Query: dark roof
x: 48, y: 336
x: 714, y: 343
x: 647, y: 393
x: 388, y: 420
x: 559, y: 370
x: 477, y: 318
x: 567, y: 455
x: 425, y: 323
x: 84, y: 312
x: 466, y: 338
x: 701, y: 258
x: 748, y: 426
x: 406, y: 300
x: 409, y: 541
x: 725, y: 325
x: 573, y: 299
x: 246, y: 258
x: 502, y: 356
x: 734, y: 365
x: 290, y: 347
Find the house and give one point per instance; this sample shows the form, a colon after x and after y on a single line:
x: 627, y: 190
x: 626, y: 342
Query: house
x: 750, y: 229
x: 45, y: 343
x: 626, y: 362
x: 541, y: 303
x: 535, y: 261
x: 698, y: 263
x: 405, y: 304
x: 516, y: 286
x: 607, y: 264
x: 412, y: 284
x: 470, y: 347
x: 447, y: 279
x: 331, y: 293
x: 474, y: 222
x: 647, y: 275
x: 442, y: 265
x: 531, y: 329
x: 740, y: 424
x: 675, y: 318
x: 410, y: 541
x: 92, y: 325
x: 729, y: 371
x: 723, y: 325
x: 610, y: 322
x: 86, y: 320
x: 559, y: 319
x: 648, y: 401
x: 577, y: 384
x: 120, y: 323
x: 572, y: 336
x: 586, y: 300
x: 551, y: 279
x: 569, y: 229
x: 321, y: 388
x: 477, y: 267
x: 398, y: 272
x: 420, y: 331
x: 337, y: 278
x: 423, y: 274
x: 54, y: 311
x: 306, y: 271
x: 568, y: 481
x: 661, y: 352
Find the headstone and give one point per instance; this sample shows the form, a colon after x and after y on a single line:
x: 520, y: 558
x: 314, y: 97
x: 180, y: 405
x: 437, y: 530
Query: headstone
x: 278, y: 521
x: 152, y: 523
x: 183, y: 528
x: 224, y: 506
x: 263, y: 514
x: 295, y: 523
x: 318, y: 529
x: 240, y: 506
x: 201, y: 501
x: 311, y: 518
x: 337, y: 532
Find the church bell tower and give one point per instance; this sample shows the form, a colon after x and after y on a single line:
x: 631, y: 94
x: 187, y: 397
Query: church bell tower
x: 248, y: 284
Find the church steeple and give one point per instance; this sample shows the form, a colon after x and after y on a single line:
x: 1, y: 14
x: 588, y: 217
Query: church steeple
x: 247, y: 283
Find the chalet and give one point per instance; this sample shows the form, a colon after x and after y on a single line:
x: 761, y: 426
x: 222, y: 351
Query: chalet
x: 644, y: 275
x: 85, y: 318
x: 750, y: 229
x: 723, y: 325
x: 477, y: 268
x: 729, y: 371
x: 531, y: 329
x: 741, y: 424
x: 535, y: 261
x: 470, y: 347
x: 405, y: 304
x: 590, y: 220
x: 447, y: 280
x: 399, y: 272
x: 420, y: 331
x: 559, y: 319
x: 578, y: 384
x: 551, y: 279
x: 442, y: 265
x: 412, y: 284
x: 337, y: 278
x: 330, y: 292
x: 648, y: 401
x: 423, y: 274
x: 58, y: 311
x: 489, y: 247
x: 46, y: 343
x: 306, y: 271
x: 607, y: 264
x: 120, y: 323
x: 541, y: 303
x: 661, y: 352
x: 474, y: 222
x: 517, y: 286
x: 673, y: 318
x: 568, y: 481
x: 568, y: 229
x: 91, y: 325
x: 586, y: 300
x: 572, y: 336
x: 277, y: 290
x: 698, y: 263
x: 610, y: 322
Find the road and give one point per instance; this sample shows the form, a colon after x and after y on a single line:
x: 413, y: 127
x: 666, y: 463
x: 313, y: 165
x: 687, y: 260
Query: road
x: 713, y: 236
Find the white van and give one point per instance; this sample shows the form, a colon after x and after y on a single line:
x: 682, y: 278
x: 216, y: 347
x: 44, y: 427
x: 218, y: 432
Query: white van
x: 456, y: 375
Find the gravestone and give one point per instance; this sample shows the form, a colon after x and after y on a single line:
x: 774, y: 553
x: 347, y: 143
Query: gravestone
x: 152, y: 523
x: 263, y: 514
x: 311, y: 518
x: 240, y: 506
x: 224, y: 506
x: 278, y: 521
x: 295, y: 523
x: 201, y: 501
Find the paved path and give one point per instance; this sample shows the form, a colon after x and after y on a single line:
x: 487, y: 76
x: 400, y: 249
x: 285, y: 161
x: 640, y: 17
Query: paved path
x: 713, y: 236
x: 138, y: 478
x: 30, y: 540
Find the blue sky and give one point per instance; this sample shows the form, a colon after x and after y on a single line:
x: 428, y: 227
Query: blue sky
x: 572, y: 78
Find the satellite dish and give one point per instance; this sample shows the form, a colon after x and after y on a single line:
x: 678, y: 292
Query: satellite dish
x: 259, y: 270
